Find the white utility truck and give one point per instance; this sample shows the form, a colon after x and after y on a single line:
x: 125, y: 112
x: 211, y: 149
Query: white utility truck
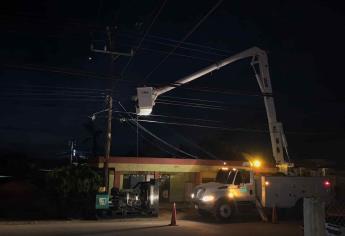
x: 234, y: 188
x: 237, y: 186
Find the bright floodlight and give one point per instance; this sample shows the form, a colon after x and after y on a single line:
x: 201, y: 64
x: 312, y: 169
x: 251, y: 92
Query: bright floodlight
x: 257, y: 163
x: 143, y: 111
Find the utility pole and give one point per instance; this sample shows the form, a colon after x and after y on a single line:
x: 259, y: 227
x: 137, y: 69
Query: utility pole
x: 109, y: 101
x: 72, y: 151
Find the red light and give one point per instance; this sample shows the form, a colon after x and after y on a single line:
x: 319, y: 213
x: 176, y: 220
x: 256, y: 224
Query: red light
x: 327, y: 183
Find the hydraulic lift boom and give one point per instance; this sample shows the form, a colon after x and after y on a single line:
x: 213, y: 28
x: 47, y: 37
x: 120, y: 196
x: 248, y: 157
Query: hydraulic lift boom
x: 147, y: 96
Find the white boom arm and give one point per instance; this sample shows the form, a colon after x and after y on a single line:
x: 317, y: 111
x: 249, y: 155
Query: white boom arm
x: 147, y: 95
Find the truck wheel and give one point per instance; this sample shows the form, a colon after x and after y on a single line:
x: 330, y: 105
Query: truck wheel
x: 298, y: 209
x: 223, y: 210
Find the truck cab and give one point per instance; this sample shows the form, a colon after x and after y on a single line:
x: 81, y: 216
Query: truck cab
x: 231, y: 187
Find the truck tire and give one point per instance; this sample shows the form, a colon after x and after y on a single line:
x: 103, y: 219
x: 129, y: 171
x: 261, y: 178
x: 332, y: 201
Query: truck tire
x: 298, y: 209
x: 223, y: 210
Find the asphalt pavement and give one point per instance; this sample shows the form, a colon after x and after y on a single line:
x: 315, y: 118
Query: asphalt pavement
x: 188, y: 224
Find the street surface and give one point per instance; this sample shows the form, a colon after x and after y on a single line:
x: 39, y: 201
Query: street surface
x: 187, y: 225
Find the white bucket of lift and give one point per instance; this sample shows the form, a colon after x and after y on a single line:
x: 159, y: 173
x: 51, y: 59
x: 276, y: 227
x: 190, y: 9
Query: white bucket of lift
x: 145, y: 101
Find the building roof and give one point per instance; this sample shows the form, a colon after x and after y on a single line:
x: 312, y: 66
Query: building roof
x: 165, y: 164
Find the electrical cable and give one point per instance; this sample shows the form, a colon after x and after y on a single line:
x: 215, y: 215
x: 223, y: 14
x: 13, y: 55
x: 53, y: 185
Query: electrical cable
x: 193, y: 99
x: 203, y: 105
x: 186, y: 118
x: 221, y: 91
x: 189, y: 43
x: 179, y: 118
x: 209, y: 154
x: 163, y: 116
x: 239, y: 129
x: 81, y: 75
x: 52, y: 95
x: 143, y: 38
x: 48, y: 99
x: 206, y: 126
x: 159, y: 37
x: 184, y: 38
x: 156, y: 137
x: 148, y: 140
x: 187, y: 105
x: 182, y: 47
x: 51, y: 92
x: 166, y: 143
x: 166, y: 52
x: 21, y: 86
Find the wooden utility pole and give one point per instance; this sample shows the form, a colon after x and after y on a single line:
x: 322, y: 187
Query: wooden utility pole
x: 71, y: 143
x: 109, y: 101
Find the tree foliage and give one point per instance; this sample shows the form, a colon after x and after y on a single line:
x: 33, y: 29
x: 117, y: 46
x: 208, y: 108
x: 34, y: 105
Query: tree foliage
x: 74, y: 189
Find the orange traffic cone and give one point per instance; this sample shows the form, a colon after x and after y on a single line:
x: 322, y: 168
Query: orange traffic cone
x: 173, y: 216
x: 274, y: 215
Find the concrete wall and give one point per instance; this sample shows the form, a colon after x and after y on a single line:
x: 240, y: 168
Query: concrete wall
x: 178, y: 186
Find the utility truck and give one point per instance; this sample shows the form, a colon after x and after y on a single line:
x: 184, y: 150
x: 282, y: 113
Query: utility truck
x: 235, y: 186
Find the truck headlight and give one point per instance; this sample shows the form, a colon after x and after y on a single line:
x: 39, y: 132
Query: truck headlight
x: 207, y: 198
x: 192, y: 195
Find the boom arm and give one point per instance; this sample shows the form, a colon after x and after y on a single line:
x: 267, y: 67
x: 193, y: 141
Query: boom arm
x: 147, y: 95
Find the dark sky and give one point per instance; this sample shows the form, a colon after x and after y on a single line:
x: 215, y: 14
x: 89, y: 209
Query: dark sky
x: 50, y: 87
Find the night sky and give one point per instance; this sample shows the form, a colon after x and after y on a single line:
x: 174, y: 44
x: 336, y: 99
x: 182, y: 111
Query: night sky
x: 52, y: 83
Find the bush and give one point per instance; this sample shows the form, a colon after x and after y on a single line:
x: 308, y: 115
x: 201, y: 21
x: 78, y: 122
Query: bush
x: 74, y: 189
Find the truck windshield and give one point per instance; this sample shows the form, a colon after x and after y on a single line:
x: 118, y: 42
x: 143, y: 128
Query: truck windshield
x: 225, y: 176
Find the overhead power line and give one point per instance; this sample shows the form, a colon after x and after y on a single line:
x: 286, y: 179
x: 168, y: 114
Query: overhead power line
x: 155, y: 136
x: 31, y: 86
x: 186, y: 48
x: 167, y: 116
x: 167, y: 52
x: 148, y: 140
x: 193, y: 99
x: 79, y: 74
x: 165, y: 142
x: 201, y: 89
x: 236, y: 129
x: 82, y: 75
x: 189, y: 105
x: 144, y: 36
x: 184, y: 38
x: 162, y: 116
x: 205, y: 106
x: 190, y: 43
x: 206, y: 126
x: 186, y: 118
x: 49, y: 95
x: 25, y: 99
x: 195, y: 145
x: 51, y: 92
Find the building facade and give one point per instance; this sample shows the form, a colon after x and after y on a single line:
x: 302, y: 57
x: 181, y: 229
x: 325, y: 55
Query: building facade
x: 177, y: 176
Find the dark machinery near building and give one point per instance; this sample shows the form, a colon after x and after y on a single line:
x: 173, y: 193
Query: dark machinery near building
x: 142, y: 199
